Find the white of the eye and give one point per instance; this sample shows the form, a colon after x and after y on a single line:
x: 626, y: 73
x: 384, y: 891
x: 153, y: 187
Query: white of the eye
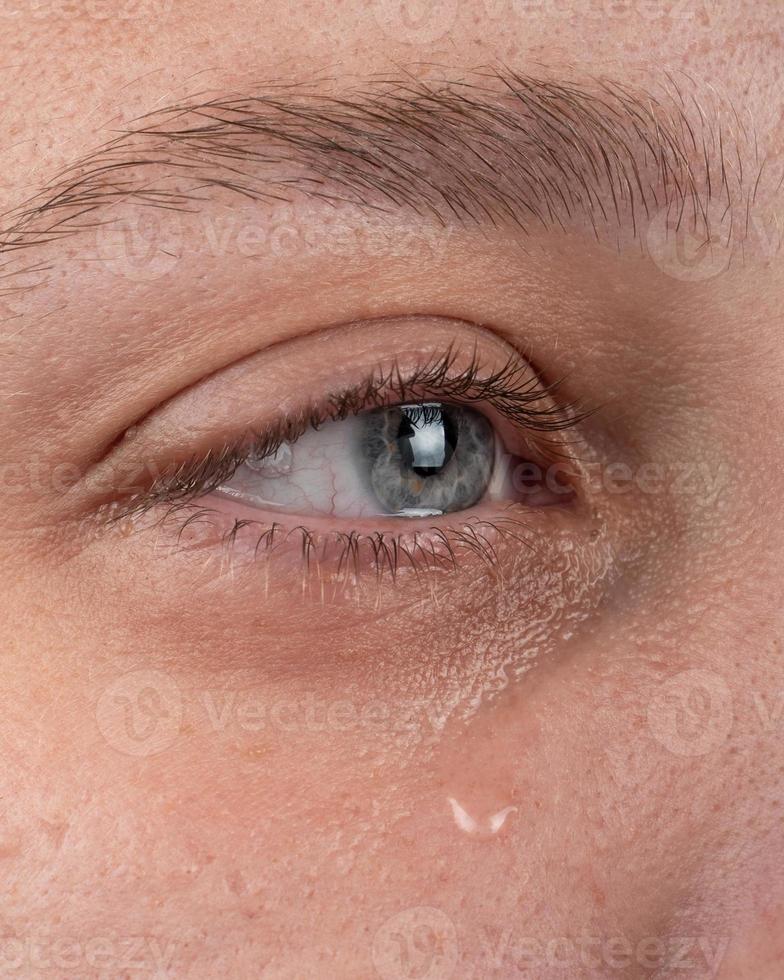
x: 322, y: 472
x: 277, y: 464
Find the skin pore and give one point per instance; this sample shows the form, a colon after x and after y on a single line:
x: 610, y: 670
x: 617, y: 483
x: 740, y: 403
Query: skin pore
x: 540, y: 740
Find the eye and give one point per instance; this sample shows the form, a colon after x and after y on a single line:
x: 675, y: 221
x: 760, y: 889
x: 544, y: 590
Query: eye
x: 411, y: 460
x: 334, y: 464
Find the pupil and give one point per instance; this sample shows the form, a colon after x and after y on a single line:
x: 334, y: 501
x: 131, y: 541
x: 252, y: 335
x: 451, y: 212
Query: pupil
x: 427, y: 438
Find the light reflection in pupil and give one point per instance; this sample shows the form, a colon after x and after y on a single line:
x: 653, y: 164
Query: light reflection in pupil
x: 427, y: 438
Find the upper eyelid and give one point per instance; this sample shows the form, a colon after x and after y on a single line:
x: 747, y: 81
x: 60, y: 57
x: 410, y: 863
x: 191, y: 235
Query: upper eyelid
x: 236, y: 402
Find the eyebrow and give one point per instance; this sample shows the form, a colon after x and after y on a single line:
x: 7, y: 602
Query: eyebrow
x: 496, y: 148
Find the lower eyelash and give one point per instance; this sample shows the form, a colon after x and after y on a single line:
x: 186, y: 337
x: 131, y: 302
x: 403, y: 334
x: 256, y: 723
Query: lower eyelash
x: 349, y: 554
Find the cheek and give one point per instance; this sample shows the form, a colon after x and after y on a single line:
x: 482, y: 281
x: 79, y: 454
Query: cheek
x: 221, y: 786
x: 213, y: 803
x: 250, y: 762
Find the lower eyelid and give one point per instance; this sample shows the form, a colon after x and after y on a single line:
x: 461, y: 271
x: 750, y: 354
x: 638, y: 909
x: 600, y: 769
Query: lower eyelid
x: 227, y: 536
x: 198, y: 561
x: 216, y: 530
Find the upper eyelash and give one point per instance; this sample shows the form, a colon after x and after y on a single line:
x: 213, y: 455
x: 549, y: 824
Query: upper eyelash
x: 514, y: 390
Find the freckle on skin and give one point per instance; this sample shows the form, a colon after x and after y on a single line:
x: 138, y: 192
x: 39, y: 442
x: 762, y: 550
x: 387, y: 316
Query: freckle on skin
x: 598, y: 894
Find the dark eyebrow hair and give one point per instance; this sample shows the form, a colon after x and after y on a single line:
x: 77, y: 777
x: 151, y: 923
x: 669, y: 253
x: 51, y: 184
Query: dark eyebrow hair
x: 497, y: 147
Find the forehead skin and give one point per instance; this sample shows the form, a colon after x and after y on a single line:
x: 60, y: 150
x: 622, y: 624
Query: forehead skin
x: 71, y: 78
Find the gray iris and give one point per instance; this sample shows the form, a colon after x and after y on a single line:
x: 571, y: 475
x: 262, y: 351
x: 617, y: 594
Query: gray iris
x: 429, y: 458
